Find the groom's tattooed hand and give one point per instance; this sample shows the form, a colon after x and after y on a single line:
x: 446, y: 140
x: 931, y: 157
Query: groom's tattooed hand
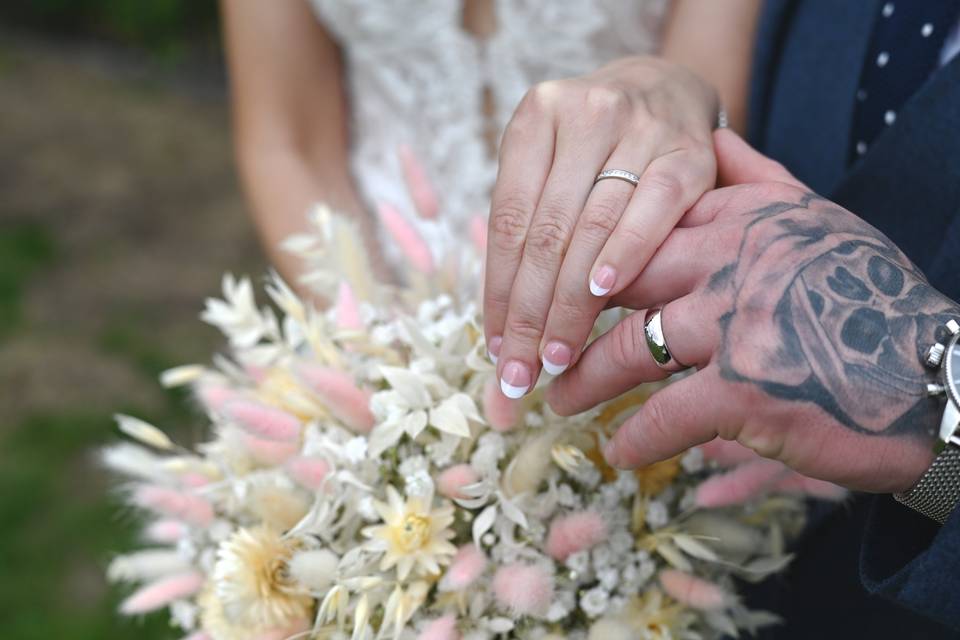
x: 809, y: 329
x: 827, y: 310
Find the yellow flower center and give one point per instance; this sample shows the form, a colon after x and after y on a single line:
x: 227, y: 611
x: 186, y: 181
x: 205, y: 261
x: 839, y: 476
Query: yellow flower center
x: 414, y: 532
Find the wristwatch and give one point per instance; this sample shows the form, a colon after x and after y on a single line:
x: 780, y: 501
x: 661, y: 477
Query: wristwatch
x: 938, y: 491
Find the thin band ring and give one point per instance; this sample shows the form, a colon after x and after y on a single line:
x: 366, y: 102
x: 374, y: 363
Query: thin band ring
x: 618, y: 174
x: 657, y: 342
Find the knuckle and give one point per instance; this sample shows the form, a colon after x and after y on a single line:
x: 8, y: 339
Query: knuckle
x: 779, y: 191
x: 655, y: 426
x: 606, y: 101
x: 524, y: 327
x: 540, y: 98
x: 508, y: 222
x: 626, y: 340
x: 664, y: 185
x: 569, y: 307
x: 548, y: 237
x: 600, y: 217
x: 633, y: 238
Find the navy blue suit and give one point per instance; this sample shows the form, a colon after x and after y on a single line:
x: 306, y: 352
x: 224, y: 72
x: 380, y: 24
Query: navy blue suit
x: 872, y: 568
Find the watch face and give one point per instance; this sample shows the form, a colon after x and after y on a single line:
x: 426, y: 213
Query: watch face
x: 952, y: 369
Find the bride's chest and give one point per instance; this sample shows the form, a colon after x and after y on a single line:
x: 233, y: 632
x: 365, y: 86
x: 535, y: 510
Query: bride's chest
x: 539, y: 36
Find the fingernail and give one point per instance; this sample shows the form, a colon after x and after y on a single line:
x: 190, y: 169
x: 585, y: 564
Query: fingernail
x: 515, y: 381
x: 493, y: 348
x: 556, y: 358
x: 603, y: 281
x: 610, y: 454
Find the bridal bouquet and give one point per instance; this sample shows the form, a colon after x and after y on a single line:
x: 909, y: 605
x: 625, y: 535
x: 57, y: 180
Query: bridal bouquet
x: 364, y: 478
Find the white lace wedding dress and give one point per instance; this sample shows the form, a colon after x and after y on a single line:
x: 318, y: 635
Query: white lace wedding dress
x: 417, y: 77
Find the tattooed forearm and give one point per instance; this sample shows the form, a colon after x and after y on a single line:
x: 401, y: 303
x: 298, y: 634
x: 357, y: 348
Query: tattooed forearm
x: 851, y: 315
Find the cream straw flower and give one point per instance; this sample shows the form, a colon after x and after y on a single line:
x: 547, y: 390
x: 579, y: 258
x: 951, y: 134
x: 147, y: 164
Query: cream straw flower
x: 414, y: 535
x: 252, y: 584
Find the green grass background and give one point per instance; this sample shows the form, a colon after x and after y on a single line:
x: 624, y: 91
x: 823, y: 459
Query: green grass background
x: 119, y: 210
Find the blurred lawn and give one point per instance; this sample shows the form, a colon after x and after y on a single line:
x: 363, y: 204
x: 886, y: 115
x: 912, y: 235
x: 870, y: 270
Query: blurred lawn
x: 118, y: 213
x: 165, y: 27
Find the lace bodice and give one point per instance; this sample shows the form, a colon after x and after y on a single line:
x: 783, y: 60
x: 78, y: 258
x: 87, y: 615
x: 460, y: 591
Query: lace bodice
x: 417, y: 78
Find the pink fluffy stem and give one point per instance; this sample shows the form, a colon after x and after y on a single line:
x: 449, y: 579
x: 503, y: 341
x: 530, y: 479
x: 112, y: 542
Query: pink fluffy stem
x: 347, y: 311
x: 422, y: 193
x: 444, y: 628
x: 740, y: 485
x: 408, y: 240
x: 349, y: 403
x: 308, y: 472
x: 174, y: 504
x: 797, y: 483
x: 162, y: 592
x: 263, y: 421
x: 478, y: 233
x: 692, y: 591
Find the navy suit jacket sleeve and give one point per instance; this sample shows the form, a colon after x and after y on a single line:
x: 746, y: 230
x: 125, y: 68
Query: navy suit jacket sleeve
x: 912, y: 560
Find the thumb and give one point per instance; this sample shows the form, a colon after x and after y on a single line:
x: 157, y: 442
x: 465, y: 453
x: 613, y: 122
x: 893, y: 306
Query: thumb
x: 739, y: 163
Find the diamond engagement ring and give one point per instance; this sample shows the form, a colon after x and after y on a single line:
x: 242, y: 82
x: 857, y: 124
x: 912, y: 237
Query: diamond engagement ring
x: 618, y: 174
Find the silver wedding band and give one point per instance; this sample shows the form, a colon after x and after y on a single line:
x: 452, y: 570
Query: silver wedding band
x: 618, y: 174
x: 657, y: 342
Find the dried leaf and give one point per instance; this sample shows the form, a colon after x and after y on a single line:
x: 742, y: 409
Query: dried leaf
x: 483, y: 522
x: 144, y: 432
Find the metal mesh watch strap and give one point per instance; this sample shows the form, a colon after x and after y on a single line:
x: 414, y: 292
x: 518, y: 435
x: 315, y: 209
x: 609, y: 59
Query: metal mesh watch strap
x: 938, y: 491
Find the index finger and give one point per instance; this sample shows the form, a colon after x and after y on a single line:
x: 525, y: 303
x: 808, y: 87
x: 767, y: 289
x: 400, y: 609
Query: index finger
x: 526, y: 155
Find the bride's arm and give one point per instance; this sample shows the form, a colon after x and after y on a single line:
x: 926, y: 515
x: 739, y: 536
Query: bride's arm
x: 289, y: 118
x: 715, y: 40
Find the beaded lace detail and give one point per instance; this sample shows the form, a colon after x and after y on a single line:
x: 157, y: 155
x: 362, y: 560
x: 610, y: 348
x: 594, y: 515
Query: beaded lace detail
x: 417, y: 78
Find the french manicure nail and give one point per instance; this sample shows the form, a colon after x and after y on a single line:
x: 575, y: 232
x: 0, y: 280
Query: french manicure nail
x: 515, y: 381
x: 603, y: 281
x: 556, y: 358
x: 493, y: 348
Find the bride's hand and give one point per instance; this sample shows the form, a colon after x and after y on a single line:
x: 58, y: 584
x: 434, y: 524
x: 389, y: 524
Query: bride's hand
x: 559, y: 245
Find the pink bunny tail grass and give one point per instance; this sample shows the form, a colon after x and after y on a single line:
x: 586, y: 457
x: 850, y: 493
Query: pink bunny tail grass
x: 349, y: 403
x: 523, y: 589
x: 174, y: 504
x: 444, y: 628
x: 198, y: 635
x: 256, y: 372
x: 454, y: 478
x: 268, y: 452
x: 468, y: 565
x: 213, y: 396
x: 500, y: 411
x: 742, y: 484
x: 162, y: 592
x: 422, y: 193
x: 726, y: 453
x: 692, y: 591
x: 262, y: 421
x: 347, y: 311
x: 575, y: 532
x: 308, y: 472
x: 166, y: 531
x: 478, y: 233
x: 407, y: 239
x: 193, y: 480
x: 797, y: 483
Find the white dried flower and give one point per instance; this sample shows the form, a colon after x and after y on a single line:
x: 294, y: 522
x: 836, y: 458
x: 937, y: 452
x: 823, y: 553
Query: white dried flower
x: 579, y: 562
x: 692, y: 460
x: 595, y: 602
x: 657, y: 514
